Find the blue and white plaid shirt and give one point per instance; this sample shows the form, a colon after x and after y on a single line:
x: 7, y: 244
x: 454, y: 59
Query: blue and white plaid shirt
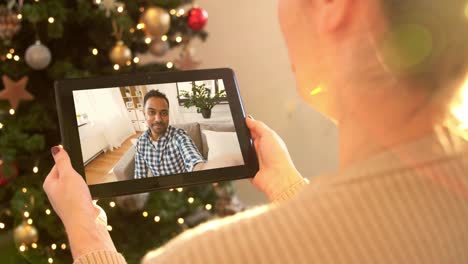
x: 174, y: 152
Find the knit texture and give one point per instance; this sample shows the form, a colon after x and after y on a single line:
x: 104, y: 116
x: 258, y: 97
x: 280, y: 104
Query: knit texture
x: 406, y: 205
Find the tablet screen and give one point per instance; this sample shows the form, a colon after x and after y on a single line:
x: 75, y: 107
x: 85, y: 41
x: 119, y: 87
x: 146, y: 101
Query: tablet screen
x: 152, y: 130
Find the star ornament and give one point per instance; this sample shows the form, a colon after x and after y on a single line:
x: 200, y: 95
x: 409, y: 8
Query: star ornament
x: 15, y: 92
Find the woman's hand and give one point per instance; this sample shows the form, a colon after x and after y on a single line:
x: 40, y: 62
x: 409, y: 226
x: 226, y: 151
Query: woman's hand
x: 277, y: 172
x: 67, y: 191
x: 85, y: 222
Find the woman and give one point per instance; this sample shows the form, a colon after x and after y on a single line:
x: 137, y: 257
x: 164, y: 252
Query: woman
x: 390, y: 73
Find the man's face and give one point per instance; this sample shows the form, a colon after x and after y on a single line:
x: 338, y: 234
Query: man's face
x: 157, y: 115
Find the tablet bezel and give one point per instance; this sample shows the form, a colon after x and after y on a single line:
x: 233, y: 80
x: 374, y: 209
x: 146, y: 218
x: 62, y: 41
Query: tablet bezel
x: 71, y: 140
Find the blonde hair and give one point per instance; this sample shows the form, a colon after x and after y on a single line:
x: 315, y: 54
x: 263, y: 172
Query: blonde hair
x: 427, y: 43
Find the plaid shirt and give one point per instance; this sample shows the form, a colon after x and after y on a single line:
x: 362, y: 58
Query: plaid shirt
x: 174, y: 152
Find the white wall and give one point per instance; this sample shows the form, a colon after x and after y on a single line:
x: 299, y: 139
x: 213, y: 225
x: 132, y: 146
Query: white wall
x: 245, y: 36
x: 179, y: 114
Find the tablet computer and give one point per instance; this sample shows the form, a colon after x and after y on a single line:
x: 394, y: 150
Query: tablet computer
x: 135, y: 133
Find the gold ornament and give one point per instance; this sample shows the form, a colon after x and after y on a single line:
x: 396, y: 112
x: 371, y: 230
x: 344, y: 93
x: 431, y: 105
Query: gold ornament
x: 25, y: 234
x: 157, y: 21
x: 120, y: 53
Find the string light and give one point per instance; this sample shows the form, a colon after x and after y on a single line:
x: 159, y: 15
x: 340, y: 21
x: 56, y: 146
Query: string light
x: 172, y: 12
x: 54, y: 246
x: 208, y: 206
x: 30, y: 221
x: 148, y: 40
x: 132, y: 30
x: 136, y: 60
x: 169, y: 65
x: 178, y: 39
x: 157, y: 219
x: 142, y: 9
x: 112, y: 204
x: 9, y: 56
x: 181, y: 12
x: 180, y: 189
x: 63, y: 246
x: 50, y: 260
x: 171, y: 190
x: 51, y: 20
x: 128, y: 63
x: 35, y: 169
x: 180, y: 220
x: 47, y: 211
x: 140, y: 26
x: 12, y: 51
x: 12, y: 111
x: 95, y: 51
x: 120, y: 9
x: 109, y: 227
x: 2, y: 225
x: 16, y: 58
x: 22, y: 248
x: 24, y: 190
x: 60, y: 146
x: 116, y: 67
x: 164, y: 38
x: 26, y: 214
x: 34, y: 245
x: 191, y: 199
x: 145, y: 214
x: 1, y: 125
x: 19, y: 16
x: 98, y: 2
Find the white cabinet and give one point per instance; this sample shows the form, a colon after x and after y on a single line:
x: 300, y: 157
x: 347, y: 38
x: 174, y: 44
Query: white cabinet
x: 131, y: 114
x: 136, y: 125
x: 137, y: 118
x: 140, y: 114
x: 143, y: 125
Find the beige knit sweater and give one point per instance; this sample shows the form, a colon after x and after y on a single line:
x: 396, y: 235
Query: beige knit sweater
x: 407, y: 205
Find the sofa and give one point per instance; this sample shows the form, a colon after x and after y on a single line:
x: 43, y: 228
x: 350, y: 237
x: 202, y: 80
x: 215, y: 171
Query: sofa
x: 125, y: 167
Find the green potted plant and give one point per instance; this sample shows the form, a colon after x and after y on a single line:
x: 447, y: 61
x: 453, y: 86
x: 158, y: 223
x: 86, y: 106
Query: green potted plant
x: 201, y: 98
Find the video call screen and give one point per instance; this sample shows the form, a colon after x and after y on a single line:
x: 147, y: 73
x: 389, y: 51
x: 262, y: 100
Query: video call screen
x: 182, y: 127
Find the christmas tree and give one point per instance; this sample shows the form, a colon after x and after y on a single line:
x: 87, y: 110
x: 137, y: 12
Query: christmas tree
x: 46, y: 40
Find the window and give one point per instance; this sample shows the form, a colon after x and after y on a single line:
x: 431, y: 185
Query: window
x: 214, y: 85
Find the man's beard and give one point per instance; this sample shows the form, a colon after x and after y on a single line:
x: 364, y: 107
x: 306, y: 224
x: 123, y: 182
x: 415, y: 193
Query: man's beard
x: 159, y: 127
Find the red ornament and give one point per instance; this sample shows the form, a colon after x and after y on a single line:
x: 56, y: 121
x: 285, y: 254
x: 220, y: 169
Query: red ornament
x: 197, y: 18
x: 3, y: 178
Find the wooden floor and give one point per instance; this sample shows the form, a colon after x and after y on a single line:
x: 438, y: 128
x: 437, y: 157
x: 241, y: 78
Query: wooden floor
x: 100, y: 169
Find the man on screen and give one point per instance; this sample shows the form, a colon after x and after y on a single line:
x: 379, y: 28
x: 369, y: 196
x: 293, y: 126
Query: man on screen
x: 163, y: 149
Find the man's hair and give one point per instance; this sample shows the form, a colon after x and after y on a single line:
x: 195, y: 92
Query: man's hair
x: 155, y: 93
